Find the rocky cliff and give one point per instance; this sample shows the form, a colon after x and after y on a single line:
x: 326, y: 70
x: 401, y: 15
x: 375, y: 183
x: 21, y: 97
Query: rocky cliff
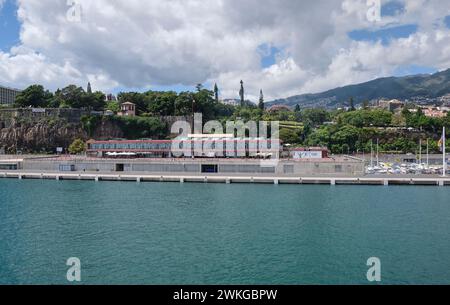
x: 46, y: 135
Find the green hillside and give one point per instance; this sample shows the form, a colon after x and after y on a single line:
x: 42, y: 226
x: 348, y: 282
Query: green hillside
x: 429, y: 86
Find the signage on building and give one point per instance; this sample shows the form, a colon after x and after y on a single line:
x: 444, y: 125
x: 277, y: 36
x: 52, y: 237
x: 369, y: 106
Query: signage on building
x: 307, y: 155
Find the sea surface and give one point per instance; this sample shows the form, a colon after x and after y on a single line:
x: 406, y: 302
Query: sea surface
x: 170, y: 233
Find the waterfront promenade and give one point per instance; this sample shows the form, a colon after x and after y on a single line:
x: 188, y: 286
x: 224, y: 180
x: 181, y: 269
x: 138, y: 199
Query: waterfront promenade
x: 229, y: 179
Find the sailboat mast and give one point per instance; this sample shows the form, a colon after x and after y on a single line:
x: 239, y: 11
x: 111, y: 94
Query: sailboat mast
x: 444, y: 159
x: 378, y: 152
x: 371, y: 153
x: 420, y: 151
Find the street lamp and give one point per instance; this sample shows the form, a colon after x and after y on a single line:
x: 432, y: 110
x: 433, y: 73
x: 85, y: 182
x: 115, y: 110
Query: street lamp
x: 193, y: 111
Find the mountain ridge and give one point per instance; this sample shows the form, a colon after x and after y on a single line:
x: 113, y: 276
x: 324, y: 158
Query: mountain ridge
x: 405, y: 87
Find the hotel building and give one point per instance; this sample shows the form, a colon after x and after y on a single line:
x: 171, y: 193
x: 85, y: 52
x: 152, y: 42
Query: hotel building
x: 8, y: 95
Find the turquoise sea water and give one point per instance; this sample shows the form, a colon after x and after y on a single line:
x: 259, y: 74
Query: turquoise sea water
x: 155, y: 233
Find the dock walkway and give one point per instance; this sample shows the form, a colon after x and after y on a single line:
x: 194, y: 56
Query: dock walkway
x: 228, y: 179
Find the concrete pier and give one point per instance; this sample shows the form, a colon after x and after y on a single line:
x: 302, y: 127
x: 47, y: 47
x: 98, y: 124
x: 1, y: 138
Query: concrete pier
x: 365, y: 180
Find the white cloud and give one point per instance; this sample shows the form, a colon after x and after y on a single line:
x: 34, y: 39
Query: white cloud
x: 137, y: 43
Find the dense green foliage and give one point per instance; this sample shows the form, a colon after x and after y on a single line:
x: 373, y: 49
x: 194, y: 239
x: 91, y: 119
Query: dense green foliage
x: 178, y: 104
x: 34, y: 96
x: 90, y: 123
x: 68, y: 97
x: 77, y: 147
x: 356, y: 131
x: 376, y: 118
x: 141, y: 127
x: 341, y: 131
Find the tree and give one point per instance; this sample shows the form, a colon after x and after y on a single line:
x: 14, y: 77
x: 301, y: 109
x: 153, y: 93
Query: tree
x: 89, y: 89
x: 366, y: 104
x: 141, y: 100
x: 205, y: 103
x: 316, y: 116
x: 199, y: 87
x: 297, y: 108
x: 366, y: 118
x: 216, y: 93
x: 289, y: 136
x: 242, y: 94
x: 183, y: 104
x: 73, y: 97
x: 77, y: 147
x: 95, y: 101
x: 352, y: 104
x: 163, y: 104
x: 261, y: 101
x: 34, y: 96
x: 113, y: 106
x: 406, y: 113
x: 134, y: 128
x: 342, y: 139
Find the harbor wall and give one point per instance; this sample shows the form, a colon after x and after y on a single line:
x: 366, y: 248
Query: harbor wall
x: 282, y: 167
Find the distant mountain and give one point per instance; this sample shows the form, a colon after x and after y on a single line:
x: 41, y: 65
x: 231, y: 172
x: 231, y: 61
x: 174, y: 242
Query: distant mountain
x: 408, y: 87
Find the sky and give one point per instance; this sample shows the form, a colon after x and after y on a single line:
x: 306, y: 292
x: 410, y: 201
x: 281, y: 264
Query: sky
x: 284, y: 47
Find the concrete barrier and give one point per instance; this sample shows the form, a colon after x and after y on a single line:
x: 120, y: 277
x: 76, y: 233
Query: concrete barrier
x: 395, y: 180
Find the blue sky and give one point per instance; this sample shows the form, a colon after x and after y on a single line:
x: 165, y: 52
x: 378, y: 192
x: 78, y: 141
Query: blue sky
x: 9, y: 26
x: 285, y: 48
x: 447, y: 21
x: 384, y: 35
x: 392, y: 8
x: 268, y: 54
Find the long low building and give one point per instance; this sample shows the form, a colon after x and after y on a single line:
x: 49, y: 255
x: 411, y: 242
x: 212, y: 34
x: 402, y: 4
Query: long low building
x: 207, y: 146
x: 282, y: 167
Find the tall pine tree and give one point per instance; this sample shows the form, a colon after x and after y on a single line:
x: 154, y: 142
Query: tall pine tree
x: 216, y: 92
x: 242, y: 94
x: 352, y: 104
x: 261, y: 100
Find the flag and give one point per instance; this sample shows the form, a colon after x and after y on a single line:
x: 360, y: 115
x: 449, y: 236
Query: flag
x: 441, y: 144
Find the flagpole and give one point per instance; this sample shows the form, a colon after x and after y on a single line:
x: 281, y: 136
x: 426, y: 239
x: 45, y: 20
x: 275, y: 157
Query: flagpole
x: 420, y: 152
x: 444, y: 159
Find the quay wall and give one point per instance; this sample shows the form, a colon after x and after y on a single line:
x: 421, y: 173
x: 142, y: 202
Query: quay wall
x: 283, y: 167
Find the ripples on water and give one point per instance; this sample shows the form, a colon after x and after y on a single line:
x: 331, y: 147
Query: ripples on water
x: 153, y: 233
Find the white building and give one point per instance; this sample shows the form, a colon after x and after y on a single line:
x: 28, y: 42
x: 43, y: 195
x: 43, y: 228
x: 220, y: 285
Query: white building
x: 8, y: 95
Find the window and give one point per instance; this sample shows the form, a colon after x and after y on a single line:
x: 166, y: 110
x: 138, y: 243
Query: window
x: 289, y: 169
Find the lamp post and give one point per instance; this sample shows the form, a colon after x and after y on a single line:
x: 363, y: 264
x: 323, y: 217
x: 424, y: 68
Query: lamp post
x: 193, y: 112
